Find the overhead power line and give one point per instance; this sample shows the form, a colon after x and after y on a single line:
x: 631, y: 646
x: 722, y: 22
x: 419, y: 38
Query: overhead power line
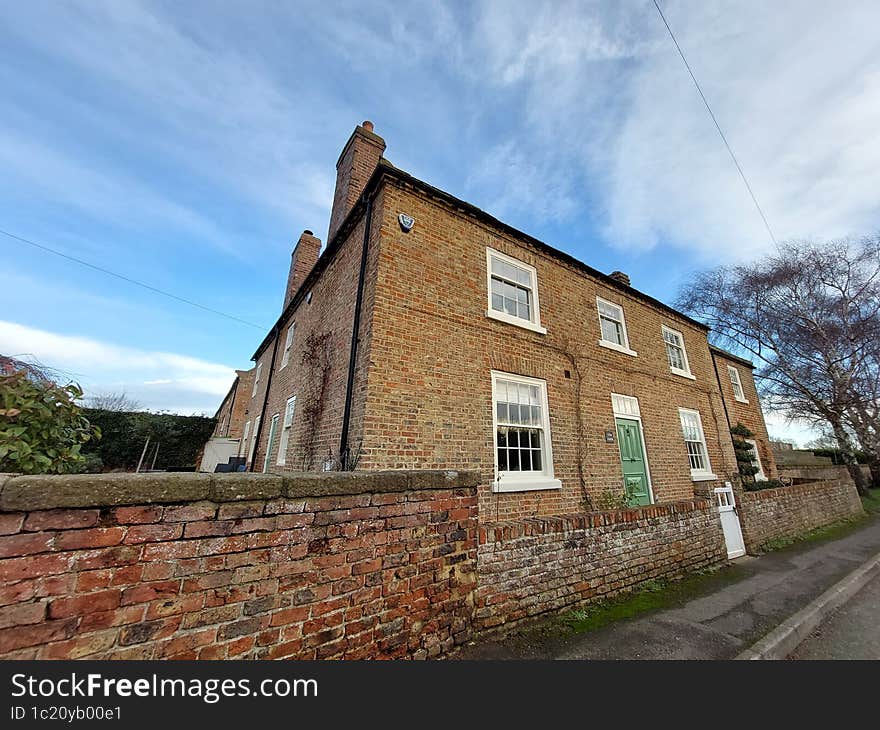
x: 717, y: 126
x: 128, y: 279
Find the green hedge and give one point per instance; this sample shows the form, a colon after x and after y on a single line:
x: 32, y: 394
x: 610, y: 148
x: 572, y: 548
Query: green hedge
x: 180, y: 439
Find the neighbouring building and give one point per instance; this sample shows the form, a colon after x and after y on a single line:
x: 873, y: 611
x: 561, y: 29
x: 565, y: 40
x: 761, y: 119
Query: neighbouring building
x: 231, y: 417
x: 429, y: 334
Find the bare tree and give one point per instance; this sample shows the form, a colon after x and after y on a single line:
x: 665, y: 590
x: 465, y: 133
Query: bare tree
x: 809, y: 314
x: 114, y: 402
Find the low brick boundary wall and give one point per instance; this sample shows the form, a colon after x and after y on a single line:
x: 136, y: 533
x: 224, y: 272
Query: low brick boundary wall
x: 192, y: 566
x: 771, y: 514
x: 818, y: 472
x: 546, y: 564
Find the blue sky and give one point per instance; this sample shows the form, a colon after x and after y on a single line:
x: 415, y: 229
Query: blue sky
x: 187, y: 145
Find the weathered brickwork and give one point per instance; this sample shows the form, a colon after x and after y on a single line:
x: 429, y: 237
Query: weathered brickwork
x: 429, y: 391
x: 748, y: 414
x: 786, y: 512
x: 422, y: 384
x: 252, y: 568
x: 231, y: 413
x: 546, y: 564
x: 316, y: 372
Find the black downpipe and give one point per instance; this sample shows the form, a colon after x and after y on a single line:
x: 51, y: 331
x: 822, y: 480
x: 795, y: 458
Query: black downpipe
x: 265, y: 400
x: 344, y: 453
x: 720, y: 391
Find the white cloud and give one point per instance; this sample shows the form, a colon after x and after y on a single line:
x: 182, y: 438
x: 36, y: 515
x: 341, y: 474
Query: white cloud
x: 158, y: 380
x: 797, y: 94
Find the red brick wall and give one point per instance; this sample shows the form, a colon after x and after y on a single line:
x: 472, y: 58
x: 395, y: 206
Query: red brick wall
x: 330, y: 313
x: 231, y: 414
x: 386, y: 572
x: 429, y: 387
x: 771, y: 514
x: 551, y: 563
x: 748, y: 414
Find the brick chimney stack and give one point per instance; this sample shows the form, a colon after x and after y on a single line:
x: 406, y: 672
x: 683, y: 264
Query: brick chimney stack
x: 620, y: 276
x: 302, y: 261
x: 356, y: 164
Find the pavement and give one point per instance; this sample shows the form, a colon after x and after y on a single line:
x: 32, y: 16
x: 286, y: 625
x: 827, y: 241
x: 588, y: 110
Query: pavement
x: 734, y: 609
x: 851, y: 632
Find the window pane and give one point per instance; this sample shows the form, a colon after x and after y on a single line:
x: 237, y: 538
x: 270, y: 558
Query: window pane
x: 522, y: 311
x: 502, y: 437
x: 502, y: 459
x: 536, y: 415
x: 510, y: 306
x: 513, y: 460
x: 513, y: 438
x: 525, y: 415
x: 502, y: 412
x: 536, y: 439
x: 611, y: 332
x: 497, y: 303
x: 536, y: 460
x: 497, y: 286
x: 525, y: 457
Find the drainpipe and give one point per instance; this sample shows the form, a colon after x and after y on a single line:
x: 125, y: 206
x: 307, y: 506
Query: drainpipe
x: 232, y: 405
x: 352, y: 359
x: 720, y: 390
x: 265, y: 400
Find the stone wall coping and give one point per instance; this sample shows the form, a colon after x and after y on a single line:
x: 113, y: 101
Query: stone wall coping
x: 794, y: 488
x: 500, y: 531
x: 42, y: 492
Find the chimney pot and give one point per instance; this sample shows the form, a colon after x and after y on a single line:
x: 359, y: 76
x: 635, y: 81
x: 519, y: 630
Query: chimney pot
x: 368, y: 125
x: 621, y: 277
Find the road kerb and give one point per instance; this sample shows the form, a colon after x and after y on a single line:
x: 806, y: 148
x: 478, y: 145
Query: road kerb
x: 786, y: 637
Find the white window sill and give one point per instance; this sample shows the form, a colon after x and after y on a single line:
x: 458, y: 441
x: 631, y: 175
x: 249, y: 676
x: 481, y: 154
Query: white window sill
x: 682, y: 373
x: 521, y: 484
x: 742, y: 400
x: 518, y: 321
x: 617, y: 348
x: 703, y: 477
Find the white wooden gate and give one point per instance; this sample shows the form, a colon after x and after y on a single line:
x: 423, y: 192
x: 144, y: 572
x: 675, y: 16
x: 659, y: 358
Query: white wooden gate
x: 730, y: 521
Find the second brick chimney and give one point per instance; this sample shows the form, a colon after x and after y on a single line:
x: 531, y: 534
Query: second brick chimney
x: 358, y: 160
x: 302, y: 261
x: 620, y: 276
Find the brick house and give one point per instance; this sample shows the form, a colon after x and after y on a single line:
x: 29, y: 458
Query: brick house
x: 231, y: 415
x: 429, y: 334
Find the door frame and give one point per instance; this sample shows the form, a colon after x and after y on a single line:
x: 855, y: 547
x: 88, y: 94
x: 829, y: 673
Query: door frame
x: 638, y: 418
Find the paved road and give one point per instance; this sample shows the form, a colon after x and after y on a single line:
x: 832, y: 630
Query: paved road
x: 851, y: 632
x: 718, y: 624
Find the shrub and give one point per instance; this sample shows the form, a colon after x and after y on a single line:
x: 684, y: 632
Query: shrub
x: 42, y: 429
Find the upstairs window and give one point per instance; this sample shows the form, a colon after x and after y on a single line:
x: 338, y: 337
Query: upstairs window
x: 675, y: 352
x: 737, y: 384
x: 612, y: 326
x: 695, y: 441
x: 288, y: 343
x: 513, y: 291
x: 522, y: 434
x: 257, y: 379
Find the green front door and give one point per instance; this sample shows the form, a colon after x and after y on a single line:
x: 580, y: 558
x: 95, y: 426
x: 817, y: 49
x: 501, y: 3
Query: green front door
x: 632, y: 457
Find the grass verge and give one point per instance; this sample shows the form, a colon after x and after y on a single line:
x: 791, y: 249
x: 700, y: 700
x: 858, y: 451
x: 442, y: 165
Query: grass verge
x: 650, y: 596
